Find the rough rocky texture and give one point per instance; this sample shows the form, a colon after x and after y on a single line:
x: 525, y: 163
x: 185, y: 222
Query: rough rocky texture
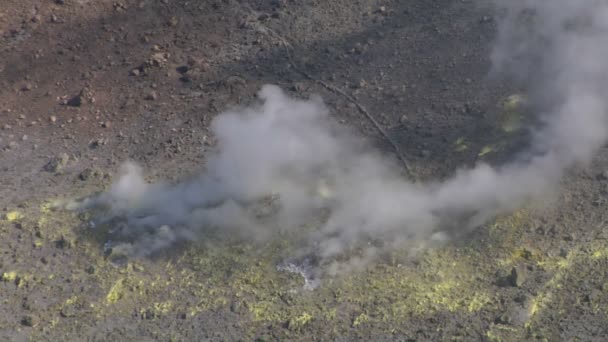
x: 103, y: 81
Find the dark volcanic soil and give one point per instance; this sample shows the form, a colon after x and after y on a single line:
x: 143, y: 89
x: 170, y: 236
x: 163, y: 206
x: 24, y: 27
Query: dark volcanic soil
x: 86, y: 85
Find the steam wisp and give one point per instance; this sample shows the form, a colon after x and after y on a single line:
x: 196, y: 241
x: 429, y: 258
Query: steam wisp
x: 283, y: 161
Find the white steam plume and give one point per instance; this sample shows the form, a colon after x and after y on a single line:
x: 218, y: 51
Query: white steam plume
x: 288, y: 155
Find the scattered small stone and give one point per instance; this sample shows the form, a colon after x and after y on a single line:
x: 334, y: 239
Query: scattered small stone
x: 151, y: 96
x: 570, y: 237
x: 298, y: 87
x: 593, y: 297
x: 182, y: 69
x: 97, y: 143
x: 24, y: 137
x: 120, y: 7
x: 135, y: 72
x: 63, y: 243
x: 235, y: 82
x: 26, y: 305
x: 85, y: 174
x: 518, y: 276
x: 27, y: 87
x: 75, y: 101
x: 37, y: 18
x: 106, y: 124
x: 173, y: 21
x: 68, y: 311
x: 404, y: 120
x: 57, y: 164
x: 598, y: 202
x: 330, y: 50
x: 28, y: 321
x: 53, y: 118
x: 12, y: 144
x: 520, y: 298
x: 603, y: 175
x: 504, y: 319
x: 486, y: 19
x: 157, y: 60
x: 381, y: 10
x: 7, y: 127
x: 198, y: 63
x: 148, y: 314
x: 90, y: 269
x: 235, y: 306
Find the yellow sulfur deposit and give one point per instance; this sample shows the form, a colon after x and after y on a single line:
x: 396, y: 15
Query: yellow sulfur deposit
x: 300, y: 321
x: 116, y: 292
x: 9, y: 276
x: 13, y: 216
x: 486, y: 150
x: 460, y: 144
x: 511, y: 117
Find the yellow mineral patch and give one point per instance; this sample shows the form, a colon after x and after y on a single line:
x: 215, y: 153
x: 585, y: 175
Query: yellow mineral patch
x: 264, y: 311
x: 478, y: 301
x: 537, y: 303
x: 562, y: 267
x: 42, y: 221
x: 47, y: 207
x: 600, y: 253
x: 500, y: 333
x: 523, y: 254
x: 217, y: 277
x: 444, y: 282
x: 513, y: 102
x: 72, y: 300
x: 300, y: 321
x: 116, y: 292
x: 460, y: 144
x: 158, y: 309
x: 163, y: 307
x: 9, y: 276
x: 324, y: 191
x: 362, y: 318
x: 20, y: 279
x: 486, y: 150
x: 13, y: 216
x: 512, y: 114
x: 505, y: 229
x: 330, y: 315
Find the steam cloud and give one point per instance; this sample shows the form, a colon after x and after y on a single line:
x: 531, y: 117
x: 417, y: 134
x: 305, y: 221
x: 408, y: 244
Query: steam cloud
x: 283, y: 161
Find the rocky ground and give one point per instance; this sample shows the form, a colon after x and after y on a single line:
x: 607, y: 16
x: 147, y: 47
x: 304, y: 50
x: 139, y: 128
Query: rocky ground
x: 86, y: 85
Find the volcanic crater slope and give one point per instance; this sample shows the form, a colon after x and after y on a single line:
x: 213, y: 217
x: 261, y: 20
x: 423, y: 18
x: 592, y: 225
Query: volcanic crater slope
x: 88, y: 85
